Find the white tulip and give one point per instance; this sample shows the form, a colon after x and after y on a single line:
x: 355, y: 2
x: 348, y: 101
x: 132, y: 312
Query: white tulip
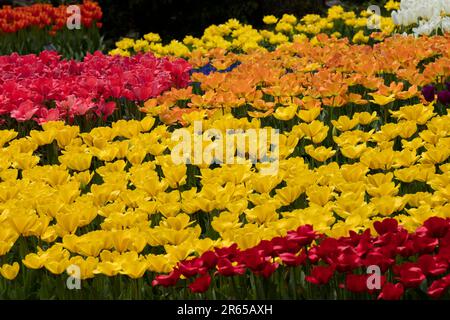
x: 396, y: 18
x: 425, y: 16
x: 445, y: 4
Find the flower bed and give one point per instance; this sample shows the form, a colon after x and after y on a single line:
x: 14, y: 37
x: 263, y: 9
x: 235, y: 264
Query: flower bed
x: 153, y: 202
x: 31, y: 29
x: 44, y: 87
x: 337, y: 266
x: 237, y: 37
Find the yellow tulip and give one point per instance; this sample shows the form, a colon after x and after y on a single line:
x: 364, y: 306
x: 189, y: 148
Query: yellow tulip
x: 86, y: 266
x: 134, y: 269
x: 262, y: 214
x: 344, y: 123
x: 417, y: 113
x: 136, y: 156
x: 179, y: 252
x: 25, y: 161
x: 319, y: 195
x: 270, y: 19
x: 316, y: 131
x: 286, y: 113
x: 56, y: 266
x: 226, y: 221
x: 289, y: 194
x: 90, y: 248
x: 159, y: 263
x: 353, y: 152
x: 23, y: 221
x: 175, y: 174
x: 33, y: 261
x: 309, y: 115
x: 76, y: 161
x: 407, y: 129
x: 65, y: 135
x: 147, y: 123
x: 365, y: 118
x: 108, y: 268
x: 320, y: 153
x: 7, y: 135
x: 382, y: 100
x: 121, y: 240
x: 42, y: 137
x: 67, y: 223
x: 10, y: 272
x: 435, y: 155
x: 387, y: 205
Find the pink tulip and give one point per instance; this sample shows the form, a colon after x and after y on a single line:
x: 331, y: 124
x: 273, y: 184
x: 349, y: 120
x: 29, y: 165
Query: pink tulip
x: 31, y: 84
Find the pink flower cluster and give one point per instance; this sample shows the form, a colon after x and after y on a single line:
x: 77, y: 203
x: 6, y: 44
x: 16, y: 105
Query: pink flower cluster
x: 43, y: 87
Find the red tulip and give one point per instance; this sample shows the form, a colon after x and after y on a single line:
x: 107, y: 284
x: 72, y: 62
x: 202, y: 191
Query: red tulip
x: 361, y: 242
x: 293, y: 260
x: 226, y: 268
x: 328, y: 249
x: 285, y: 244
x: 391, y: 291
x: 201, y: 284
x: 432, y: 265
x: 444, y: 253
x: 253, y: 259
x: 386, y: 226
x: 347, y: 260
x: 191, y: 268
x: 320, y: 274
x: 227, y: 252
x: 356, y: 283
x: 437, y: 288
x: 313, y: 256
x: 410, y: 274
x: 45, y: 115
x: 267, y: 269
x: 267, y: 248
x: 436, y: 227
x: 167, y: 280
x: 378, y: 259
x: 303, y: 236
x: 406, y: 249
x: 425, y: 244
x: 209, y: 259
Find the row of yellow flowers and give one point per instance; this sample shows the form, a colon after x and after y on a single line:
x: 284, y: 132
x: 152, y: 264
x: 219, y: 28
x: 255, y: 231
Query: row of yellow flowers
x: 237, y: 37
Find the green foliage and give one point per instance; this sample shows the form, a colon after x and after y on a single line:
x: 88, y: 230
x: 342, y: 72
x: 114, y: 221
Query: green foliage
x: 69, y: 43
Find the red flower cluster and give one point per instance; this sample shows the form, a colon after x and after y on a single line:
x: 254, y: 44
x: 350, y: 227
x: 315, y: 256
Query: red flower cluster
x: 231, y: 261
x: 43, y: 87
x: 407, y: 258
x: 45, y: 15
